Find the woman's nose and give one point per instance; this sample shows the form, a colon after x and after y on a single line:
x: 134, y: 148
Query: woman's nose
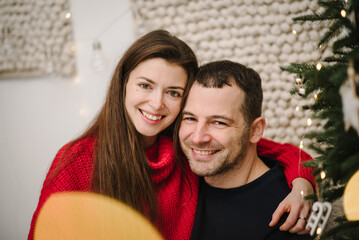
x: 157, y: 101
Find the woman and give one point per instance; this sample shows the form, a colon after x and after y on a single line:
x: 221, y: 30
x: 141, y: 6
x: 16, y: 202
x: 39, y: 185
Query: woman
x: 127, y: 153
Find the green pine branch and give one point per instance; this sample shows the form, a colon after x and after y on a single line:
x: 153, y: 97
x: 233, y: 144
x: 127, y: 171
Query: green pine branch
x: 337, y: 149
x: 329, y: 4
x: 333, y: 31
x: 344, y: 230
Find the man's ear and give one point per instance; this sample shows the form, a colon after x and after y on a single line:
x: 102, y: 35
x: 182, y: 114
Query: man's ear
x: 257, y: 129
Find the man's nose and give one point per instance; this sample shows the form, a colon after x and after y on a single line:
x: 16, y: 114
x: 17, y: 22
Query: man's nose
x: 201, y: 134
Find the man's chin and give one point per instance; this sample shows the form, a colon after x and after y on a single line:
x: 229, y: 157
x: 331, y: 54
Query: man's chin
x: 200, y: 171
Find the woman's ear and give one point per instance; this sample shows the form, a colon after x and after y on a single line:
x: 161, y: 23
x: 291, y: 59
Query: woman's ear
x: 257, y: 129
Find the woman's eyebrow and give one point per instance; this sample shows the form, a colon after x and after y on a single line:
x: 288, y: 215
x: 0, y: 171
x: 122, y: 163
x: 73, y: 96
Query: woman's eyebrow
x: 147, y: 79
x: 153, y: 82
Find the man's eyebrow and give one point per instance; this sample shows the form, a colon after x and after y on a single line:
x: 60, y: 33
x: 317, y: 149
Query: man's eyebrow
x: 211, y: 117
x: 187, y: 113
x: 153, y: 82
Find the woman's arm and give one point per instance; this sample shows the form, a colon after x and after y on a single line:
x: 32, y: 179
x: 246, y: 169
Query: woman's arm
x: 289, y: 157
x: 299, y: 178
x: 297, y: 207
x: 72, y: 175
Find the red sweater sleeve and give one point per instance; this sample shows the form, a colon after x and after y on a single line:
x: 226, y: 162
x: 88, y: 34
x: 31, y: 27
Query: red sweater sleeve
x: 73, y: 176
x: 289, y: 157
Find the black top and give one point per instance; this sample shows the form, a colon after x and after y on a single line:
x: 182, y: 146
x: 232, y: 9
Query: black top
x: 243, y: 212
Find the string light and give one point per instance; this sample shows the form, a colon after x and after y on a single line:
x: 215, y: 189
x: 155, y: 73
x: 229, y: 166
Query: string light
x: 83, y: 112
x: 98, y: 61
x: 301, y: 144
x: 315, y: 97
x: 320, y: 46
x: 309, y: 122
x: 302, y: 194
x: 301, y: 91
x: 319, y: 230
x: 294, y: 32
x: 73, y: 48
x: 68, y: 15
x: 299, y: 81
x: 77, y: 79
x: 319, y: 66
x: 322, y: 175
x: 297, y: 108
x: 343, y: 13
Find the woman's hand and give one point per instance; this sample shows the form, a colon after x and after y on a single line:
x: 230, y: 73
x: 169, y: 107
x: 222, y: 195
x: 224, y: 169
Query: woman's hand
x: 297, y: 206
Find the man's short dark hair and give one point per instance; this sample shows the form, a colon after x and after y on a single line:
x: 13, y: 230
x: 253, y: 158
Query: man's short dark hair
x: 216, y: 74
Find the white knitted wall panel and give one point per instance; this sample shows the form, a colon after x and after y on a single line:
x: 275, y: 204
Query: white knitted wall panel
x: 256, y: 33
x: 35, y: 38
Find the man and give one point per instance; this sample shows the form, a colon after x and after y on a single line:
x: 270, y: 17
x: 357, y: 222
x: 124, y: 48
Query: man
x: 221, y: 125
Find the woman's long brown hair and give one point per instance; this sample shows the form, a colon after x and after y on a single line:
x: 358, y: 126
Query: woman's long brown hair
x: 120, y: 166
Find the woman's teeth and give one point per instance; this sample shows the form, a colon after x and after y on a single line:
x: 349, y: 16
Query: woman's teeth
x: 151, y: 117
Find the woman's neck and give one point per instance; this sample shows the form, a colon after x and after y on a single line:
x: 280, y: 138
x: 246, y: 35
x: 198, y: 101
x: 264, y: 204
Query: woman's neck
x: 148, y: 141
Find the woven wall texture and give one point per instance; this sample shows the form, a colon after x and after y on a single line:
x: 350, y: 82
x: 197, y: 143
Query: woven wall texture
x: 257, y: 33
x: 36, y: 38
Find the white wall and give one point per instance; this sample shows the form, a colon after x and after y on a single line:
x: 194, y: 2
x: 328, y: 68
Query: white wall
x: 39, y: 115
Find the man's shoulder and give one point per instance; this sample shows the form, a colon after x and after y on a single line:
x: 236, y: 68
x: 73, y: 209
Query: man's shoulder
x: 274, y: 179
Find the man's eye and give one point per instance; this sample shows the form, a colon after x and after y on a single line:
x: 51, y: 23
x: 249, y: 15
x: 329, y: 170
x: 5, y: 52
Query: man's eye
x: 144, y: 86
x: 220, y: 123
x: 189, y: 119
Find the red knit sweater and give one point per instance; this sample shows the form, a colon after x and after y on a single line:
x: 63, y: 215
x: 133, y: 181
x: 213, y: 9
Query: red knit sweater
x: 177, y: 199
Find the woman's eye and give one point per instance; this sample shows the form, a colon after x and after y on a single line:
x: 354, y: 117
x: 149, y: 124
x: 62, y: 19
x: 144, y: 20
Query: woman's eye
x: 144, y: 86
x: 175, y: 94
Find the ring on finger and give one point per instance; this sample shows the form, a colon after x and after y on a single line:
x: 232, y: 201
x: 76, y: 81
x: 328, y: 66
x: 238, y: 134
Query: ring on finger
x: 303, y: 218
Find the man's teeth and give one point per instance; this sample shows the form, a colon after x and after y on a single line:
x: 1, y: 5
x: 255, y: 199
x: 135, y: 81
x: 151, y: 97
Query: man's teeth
x: 151, y: 117
x: 204, y: 152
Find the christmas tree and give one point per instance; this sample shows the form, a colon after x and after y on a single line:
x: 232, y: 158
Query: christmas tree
x: 333, y: 82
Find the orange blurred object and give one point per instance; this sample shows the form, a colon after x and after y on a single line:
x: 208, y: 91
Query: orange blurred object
x: 82, y: 215
x: 351, y: 198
